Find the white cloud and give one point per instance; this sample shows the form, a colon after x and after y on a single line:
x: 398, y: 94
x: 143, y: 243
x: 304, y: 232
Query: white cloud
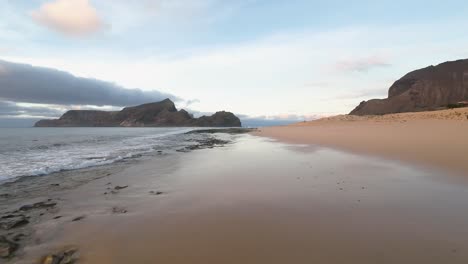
x: 71, y: 17
x: 362, y: 64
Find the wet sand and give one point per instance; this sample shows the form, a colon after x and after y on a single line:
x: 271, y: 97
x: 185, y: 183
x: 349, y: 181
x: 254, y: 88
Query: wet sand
x: 260, y: 201
x: 437, y: 139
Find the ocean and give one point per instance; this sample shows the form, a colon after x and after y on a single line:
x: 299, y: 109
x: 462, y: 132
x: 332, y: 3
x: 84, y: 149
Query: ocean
x: 41, y: 151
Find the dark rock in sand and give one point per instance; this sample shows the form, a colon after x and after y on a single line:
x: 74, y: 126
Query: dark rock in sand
x: 7, y: 247
x: 431, y: 88
x: 78, y: 218
x: 120, y: 187
x: 203, y: 144
x: 18, y: 237
x: 182, y: 150
x: 38, y: 205
x: 222, y: 130
x: 8, y: 216
x: 68, y: 256
x: 158, y: 114
x: 119, y: 210
x: 13, y: 222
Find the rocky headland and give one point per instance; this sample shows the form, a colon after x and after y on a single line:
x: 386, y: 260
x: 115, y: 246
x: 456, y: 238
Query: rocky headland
x: 158, y: 114
x: 431, y: 88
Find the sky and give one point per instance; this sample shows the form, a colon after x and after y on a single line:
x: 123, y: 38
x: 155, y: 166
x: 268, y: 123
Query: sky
x: 268, y: 61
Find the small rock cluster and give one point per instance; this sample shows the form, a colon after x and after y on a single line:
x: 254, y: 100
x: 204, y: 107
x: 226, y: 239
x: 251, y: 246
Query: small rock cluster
x: 13, y: 224
x: 204, y: 144
x: 68, y: 256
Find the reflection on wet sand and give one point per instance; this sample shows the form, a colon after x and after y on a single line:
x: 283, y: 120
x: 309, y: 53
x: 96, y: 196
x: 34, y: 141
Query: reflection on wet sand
x: 259, y: 201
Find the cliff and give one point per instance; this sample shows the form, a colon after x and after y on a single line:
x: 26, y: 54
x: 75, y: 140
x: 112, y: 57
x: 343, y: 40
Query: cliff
x: 431, y: 88
x: 158, y: 114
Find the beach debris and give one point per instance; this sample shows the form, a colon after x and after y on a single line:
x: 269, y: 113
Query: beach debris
x: 120, y: 187
x: 67, y: 256
x: 13, y: 221
x: 119, y: 210
x: 7, y: 247
x: 54, y: 184
x: 109, y: 183
x: 58, y: 216
x: 37, y: 205
x: 156, y: 192
x: 78, y: 218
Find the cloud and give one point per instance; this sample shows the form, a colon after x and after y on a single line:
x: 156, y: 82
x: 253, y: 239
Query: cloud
x: 11, y: 109
x: 361, y: 64
x: 70, y: 17
x: 191, y: 102
x: 29, y: 84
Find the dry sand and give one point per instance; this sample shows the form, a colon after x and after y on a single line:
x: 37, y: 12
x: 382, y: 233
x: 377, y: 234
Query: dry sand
x: 436, y: 138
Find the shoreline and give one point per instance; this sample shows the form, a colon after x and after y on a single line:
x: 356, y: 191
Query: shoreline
x: 426, y: 138
x: 294, y: 203
x: 27, y: 203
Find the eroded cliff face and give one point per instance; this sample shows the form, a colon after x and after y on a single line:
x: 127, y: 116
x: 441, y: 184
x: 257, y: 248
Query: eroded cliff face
x: 159, y: 114
x: 430, y: 88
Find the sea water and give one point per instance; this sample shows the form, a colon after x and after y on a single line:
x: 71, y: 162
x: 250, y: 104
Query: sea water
x: 40, y: 151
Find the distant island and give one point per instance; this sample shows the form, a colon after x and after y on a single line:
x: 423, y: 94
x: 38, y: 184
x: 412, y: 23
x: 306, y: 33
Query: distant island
x: 431, y: 88
x: 157, y: 114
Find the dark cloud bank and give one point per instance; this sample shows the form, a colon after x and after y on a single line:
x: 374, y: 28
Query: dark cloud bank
x: 23, y: 83
x: 26, y: 83
x: 12, y: 109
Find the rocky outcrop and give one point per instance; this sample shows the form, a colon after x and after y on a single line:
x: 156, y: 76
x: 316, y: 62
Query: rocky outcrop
x: 431, y: 88
x: 159, y: 114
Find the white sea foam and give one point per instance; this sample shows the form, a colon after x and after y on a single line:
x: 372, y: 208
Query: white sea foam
x: 39, y: 151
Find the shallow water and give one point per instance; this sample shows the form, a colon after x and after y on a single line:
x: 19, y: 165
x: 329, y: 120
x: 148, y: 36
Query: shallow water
x: 259, y: 201
x: 40, y: 151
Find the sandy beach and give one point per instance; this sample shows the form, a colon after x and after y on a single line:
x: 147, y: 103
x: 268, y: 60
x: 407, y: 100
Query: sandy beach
x: 437, y: 139
x: 254, y: 200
